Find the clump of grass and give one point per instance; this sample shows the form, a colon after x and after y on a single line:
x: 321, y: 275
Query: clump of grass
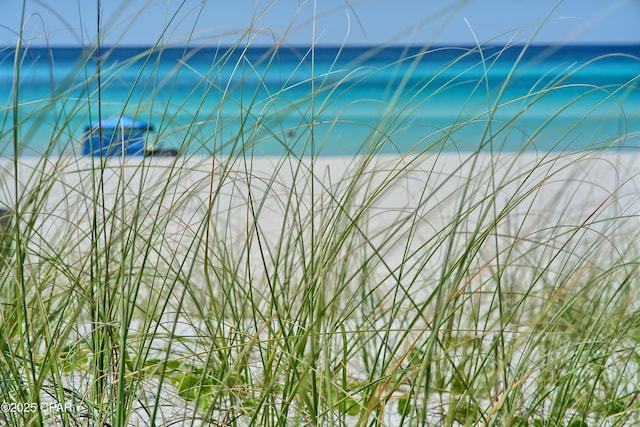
x: 414, y: 289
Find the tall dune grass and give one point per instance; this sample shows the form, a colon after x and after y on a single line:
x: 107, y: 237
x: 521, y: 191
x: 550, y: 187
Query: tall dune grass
x: 483, y: 288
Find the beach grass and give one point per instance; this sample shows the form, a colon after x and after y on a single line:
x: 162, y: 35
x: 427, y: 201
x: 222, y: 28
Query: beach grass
x: 425, y: 288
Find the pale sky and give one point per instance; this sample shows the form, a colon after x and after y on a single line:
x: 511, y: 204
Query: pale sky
x: 261, y: 22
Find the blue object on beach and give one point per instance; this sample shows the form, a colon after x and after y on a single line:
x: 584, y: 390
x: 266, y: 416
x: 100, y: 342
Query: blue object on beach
x: 116, y: 137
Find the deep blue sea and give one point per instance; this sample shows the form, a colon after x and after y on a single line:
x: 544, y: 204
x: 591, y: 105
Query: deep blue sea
x: 326, y: 101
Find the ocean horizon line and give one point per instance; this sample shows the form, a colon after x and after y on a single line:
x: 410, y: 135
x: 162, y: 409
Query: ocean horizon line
x: 355, y: 46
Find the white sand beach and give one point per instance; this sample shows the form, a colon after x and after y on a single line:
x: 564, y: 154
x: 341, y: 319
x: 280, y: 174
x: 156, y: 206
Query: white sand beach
x: 529, y: 193
x: 403, y: 217
x: 528, y: 205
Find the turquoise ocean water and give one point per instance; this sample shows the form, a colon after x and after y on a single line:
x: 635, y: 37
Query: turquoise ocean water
x: 328, y: 101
